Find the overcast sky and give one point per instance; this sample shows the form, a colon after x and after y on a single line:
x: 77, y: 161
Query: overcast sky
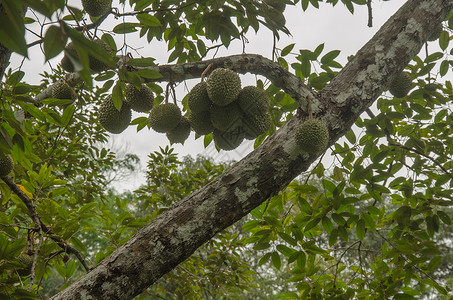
x: 334, y: 26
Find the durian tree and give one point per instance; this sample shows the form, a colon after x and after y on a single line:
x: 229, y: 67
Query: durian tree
x: 384, y: 146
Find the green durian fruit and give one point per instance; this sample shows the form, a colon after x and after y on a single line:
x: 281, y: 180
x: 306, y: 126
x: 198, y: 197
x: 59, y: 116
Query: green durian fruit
x: 6, y: 164
x: 228, y: 140
x: 25, y: 259
x: 435, y: 34
x: 277, y: 4
x: 198, y: 99
x: 164, y: 117
x: 226, y: 118
x: 201, y: 122
x: 223, y: 86
x: 62, y: 90
x: 180, y: 133
x: 253, y: 100
x: 400, y: 85
x: 66, y: 63
x: 97, y: 8
x: 312, y: 136
x: 255, y: 126
x: 140, y: 100
x: 95, y: 64
x: 111, y: 119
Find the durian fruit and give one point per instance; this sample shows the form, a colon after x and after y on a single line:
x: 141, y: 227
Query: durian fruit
x: 228, y: 140
x: 253, y: 100
x: 435, y: 34
x: 180, y: 133
x: 277, y: 4
x: 226, y: 118
x: 256, y: 125
x: 400, y: 85
x: 223, y: 86
x: 201, y: 122
x: 27, y: 260
x: 198, y: 99
x: 95, y: 64
x: 97, y: 8
x: 164, y: 117
x: 111, y: 119
x: 6, y: 164
x: 140, y: 100
x: 62, y: 90
x: 66, y: 63
x: 312, y: 136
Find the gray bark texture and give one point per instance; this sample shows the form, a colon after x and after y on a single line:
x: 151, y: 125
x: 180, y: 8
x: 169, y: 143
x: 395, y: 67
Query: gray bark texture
x: 173, y: 236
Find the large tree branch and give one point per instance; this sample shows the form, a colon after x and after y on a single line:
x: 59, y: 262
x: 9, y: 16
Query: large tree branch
x: 173, y: 236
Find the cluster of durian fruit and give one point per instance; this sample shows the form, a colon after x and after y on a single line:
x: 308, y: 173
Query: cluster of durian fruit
x: 218, y: 105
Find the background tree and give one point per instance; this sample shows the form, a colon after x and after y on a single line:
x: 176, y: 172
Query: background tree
x: 58, y: 192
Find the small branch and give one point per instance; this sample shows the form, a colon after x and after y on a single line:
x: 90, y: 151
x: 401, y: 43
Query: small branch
x: 42, y: 227
x: 370, y: 14
x: 424, y: 155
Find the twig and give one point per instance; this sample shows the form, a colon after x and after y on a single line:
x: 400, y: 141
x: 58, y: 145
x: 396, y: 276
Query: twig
x: 36, y: 219
x: 370, y: 14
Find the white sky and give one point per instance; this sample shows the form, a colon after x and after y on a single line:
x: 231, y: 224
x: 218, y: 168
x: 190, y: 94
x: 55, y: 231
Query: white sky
x: 334, y: 26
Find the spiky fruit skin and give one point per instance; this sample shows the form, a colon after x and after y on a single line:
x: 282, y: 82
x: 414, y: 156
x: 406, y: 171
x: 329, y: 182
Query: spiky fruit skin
x: 111, y: 119
x: 255, y: 126
x: 180, y: 133
x: 226, y: 118
x: 25, y: 259
x: 95, y: 64
x: 96, y: 8
x: 277, y: 4
x: 6, y: 164
x: 253, y: 100
x: 198, y: 98
x: 62, y: 90
x: 66, y: 63
x: 140, y: 100
x: 164, y: 117
x: 401, y: 85
x: 435, y: 34
x: 223, y: 86
x: 312, y: 136
x: 227, y: 140
x: 201, y: 122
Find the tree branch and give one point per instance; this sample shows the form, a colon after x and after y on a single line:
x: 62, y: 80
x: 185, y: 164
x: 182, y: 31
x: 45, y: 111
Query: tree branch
x: 174, y: 235
x: 41, y: 226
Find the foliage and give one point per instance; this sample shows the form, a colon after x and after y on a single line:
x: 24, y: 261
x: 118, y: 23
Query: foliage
x: 375, y: 223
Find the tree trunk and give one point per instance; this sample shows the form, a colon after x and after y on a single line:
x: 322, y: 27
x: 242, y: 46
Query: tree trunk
x: 173, y: 236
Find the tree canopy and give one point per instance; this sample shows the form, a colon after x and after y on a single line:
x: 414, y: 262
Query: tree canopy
x: 374, y: 222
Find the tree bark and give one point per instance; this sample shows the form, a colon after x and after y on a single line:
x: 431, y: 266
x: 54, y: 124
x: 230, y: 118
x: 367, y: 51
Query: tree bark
x: 173, y: 236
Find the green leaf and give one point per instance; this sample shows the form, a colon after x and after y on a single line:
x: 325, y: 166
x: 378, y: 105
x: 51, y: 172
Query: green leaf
x: 264, y: 259
x: 444, y: 39
x: 117, y: 96
x: 124, y: 28
x: 247, y: 227
x: 287, y: 50
x: 444, y: 67
x: 327, y: 225
x: 312, y: 224
x: 67, y: 115
x: 151, y: 74
x: 54, y: 41
x: 276, y: 261
x: 444, y: 217
x: 148, y: 20
x: 330, y: 56
x: 141, y: 62
x: 12, y: 28
x: 360, y: 229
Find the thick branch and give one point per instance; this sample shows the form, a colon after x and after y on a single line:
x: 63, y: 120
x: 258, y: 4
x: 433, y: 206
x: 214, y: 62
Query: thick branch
x: 41, y: 226
x: 173, y: 236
